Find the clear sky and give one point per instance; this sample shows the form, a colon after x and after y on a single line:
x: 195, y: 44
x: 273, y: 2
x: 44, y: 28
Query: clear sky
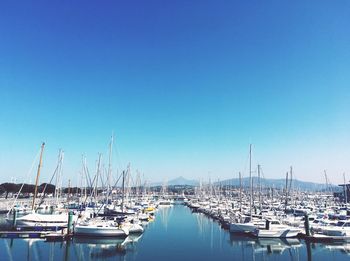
x: 184, y: 85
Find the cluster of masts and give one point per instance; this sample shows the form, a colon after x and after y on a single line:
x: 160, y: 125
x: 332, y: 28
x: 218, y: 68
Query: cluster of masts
x: 284, y: 215
x: 100, y: 209
x: 118, y: 211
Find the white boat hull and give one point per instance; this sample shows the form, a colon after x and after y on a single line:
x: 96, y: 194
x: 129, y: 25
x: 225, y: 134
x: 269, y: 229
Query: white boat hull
x: 41, y: 220
x: 278, y: 233
x: 242, y: 228
x: 96, y: 231
x: 135, y: 229
x: 337, y: 232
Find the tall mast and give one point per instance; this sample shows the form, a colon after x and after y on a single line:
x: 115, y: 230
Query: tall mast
x: 325, y: 175
x: 345, y: 190
x: 291, y: 183
x: 68, y: 194
x: 98, y: 173
x: 109, y: 167
x: 210, y: 188
x: 38, y: 174
x: 259, y: 187
x: 85, y: 182
x: 240, y: 192
x: 58, y: 175
x: 286, y: 199
x: 127, y: 185
x: 123, y: 191
x: 251, y: 181
x: 97, y: 176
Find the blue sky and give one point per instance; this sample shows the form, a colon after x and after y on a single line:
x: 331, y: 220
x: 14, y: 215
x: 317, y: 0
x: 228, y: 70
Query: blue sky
x: 184, y: 85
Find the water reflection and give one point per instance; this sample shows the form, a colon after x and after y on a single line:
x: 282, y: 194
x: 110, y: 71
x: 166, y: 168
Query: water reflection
x: 295, y: 248
x: 33, y: 250
x: 106, y: 251
x: 266, y: 246
x: 164, y: 212
x: 277, y: 245
x: 102, y: 248
x: 98, y: 242
x: 342, y: 247
x: 77, y: 249
x: 164, y: 239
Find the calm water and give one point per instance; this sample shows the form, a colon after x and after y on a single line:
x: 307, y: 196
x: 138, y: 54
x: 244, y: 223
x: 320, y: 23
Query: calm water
x: 176, y: 234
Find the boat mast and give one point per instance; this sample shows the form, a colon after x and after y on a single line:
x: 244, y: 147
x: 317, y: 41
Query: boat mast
x: 38, y: 174
x: 325, y: 175
x: 97, y: 176
x: 127, y: 190
x: 251, y: 181
x: 259, y: 187
x: 68, y: 194
x: 109, y: 168
x: 123, y: 191
x: 240, y: 192
x: 58, y: 176
x: 345, y: 191
x: 286, y: 199
x: 290, y: 184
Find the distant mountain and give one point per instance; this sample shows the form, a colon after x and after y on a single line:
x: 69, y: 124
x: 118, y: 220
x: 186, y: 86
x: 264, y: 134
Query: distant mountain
x: 277, y: 183
x: 177, y: 182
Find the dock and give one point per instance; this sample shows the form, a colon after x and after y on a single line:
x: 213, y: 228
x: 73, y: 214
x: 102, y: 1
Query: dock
x: 326, y: 238
x: 23, y: 234
x: 48, y: 235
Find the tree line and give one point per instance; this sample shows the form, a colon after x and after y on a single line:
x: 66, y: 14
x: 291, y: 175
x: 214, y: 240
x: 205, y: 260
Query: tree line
x: 7, y: 188
x: 27, y: 188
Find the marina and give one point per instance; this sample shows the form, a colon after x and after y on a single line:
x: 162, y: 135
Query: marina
x: 108, y: 220
x: 177, y: 233
x: 174, y: 130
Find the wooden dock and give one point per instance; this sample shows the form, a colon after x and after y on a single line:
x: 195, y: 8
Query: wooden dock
x: 23, y: 234
x: 48, y: 235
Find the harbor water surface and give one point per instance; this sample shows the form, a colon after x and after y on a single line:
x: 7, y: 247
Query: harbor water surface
x: 176, y: 234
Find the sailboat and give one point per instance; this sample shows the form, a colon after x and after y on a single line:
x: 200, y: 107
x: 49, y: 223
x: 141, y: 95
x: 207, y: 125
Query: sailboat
x: 54, y: 221
x: 100, y: 228
x: 245, y: 224
x: 41, y: 221
x: 106, y: 226
x: 274, y: 229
